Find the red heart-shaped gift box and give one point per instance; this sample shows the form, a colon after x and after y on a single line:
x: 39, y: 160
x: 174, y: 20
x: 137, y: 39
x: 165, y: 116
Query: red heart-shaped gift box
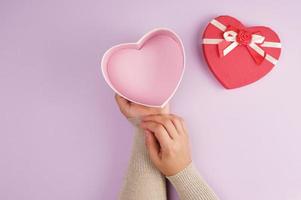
x: 239, y: 55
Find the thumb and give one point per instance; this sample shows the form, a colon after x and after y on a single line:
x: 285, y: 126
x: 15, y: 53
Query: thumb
x: 152, y: 147
x: 124, y: 105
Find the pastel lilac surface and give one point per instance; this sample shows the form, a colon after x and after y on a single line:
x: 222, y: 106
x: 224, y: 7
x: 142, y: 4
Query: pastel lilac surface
x: 147, y: 72
x: 63, y: 137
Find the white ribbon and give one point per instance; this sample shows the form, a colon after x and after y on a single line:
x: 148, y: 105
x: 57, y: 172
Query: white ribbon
x: 230, y: 36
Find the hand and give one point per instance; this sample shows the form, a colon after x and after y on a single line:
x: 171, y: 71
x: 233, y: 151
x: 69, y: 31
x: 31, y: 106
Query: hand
x: 166, y: 138
x: 132, y: 110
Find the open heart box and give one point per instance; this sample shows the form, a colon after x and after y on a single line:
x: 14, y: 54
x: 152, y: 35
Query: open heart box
x: 147, y: 72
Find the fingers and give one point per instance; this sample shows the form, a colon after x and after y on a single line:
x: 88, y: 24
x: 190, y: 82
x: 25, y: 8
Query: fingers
x: 184, y: 127
x: 165, y: 121
x: 144, y: 110
x: 179, y: 124
x: 169, y: 155
x: 123, y: 104
x: 172, y: 123
x: 159, y: 132
x: 166, y: 109
x: 152, y: 147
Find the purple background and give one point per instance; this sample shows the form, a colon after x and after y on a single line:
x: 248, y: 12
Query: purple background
x: 62, y: 136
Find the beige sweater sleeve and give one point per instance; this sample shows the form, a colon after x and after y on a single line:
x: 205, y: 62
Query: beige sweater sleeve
x: 142, y: 181
x: 191, y: 186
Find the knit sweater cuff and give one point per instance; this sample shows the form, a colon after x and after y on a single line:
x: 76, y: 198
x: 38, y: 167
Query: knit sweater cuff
x: 190, y: 185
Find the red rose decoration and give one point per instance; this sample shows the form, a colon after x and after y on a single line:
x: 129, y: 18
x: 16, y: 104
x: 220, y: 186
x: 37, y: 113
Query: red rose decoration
x: 244, y: 37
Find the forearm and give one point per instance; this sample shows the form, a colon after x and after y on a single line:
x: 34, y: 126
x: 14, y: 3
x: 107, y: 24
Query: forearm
x: 143, y: 180
x: 191, y: 186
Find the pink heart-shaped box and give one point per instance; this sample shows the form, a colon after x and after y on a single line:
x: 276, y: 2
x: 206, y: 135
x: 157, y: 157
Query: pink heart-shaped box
x: 147, y: 72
